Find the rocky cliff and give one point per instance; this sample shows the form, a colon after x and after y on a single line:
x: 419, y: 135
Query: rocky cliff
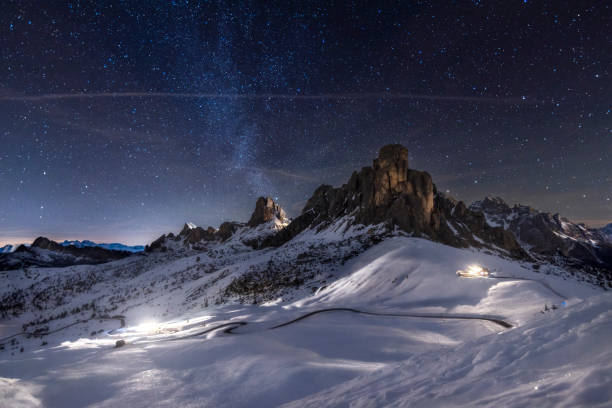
x: 266, y: 210
x: 267, y: 218
x: 391, y: 193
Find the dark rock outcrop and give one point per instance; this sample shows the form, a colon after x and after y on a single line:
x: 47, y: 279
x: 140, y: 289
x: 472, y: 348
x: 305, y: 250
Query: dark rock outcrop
x: 266, y: 210
x: 391, y: 193
x: 192, y: 234
x: 548, y: 234
x: 227, y: 229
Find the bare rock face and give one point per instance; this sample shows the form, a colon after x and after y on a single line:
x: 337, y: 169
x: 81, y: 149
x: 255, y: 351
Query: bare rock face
x: 227, y: 229
x: 192, y: 233
x: 266, y: 210
x: 46, y: 243
x: 186, y: 229
x: 198, y: 234
x: 390, y: 173
x: 388, y: 191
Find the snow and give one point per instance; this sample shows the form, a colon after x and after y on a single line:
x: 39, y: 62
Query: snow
x: 8, y: 249
x: 560, y: 360
x: 492, y: 222
x: 452, y: 228
x: 550, y: 357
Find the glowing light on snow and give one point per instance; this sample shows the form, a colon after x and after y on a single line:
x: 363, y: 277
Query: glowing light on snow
x: 474, y: 271
x: 148, y: 327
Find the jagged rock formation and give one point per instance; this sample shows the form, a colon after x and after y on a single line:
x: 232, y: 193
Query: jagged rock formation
x: 390, y: 192
x: 547, y: 234
x: 192, y: 234
x: 266, y: 210
x: 47, y: 253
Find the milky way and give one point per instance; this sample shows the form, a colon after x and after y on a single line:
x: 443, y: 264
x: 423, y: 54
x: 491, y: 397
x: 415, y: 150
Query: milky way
x: 122, y: 120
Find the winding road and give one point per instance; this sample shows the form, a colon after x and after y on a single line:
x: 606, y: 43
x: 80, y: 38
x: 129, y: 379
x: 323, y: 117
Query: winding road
x: 229, y: 327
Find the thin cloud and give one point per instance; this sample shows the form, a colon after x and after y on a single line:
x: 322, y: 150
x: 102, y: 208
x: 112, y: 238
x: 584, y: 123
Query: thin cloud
x: 263, y: 96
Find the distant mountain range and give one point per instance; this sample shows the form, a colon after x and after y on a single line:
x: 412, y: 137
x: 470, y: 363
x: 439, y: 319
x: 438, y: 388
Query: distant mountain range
x: 44, y: 252
x: 549, y: 234
x: 82, y: 244
x: 112, y: 246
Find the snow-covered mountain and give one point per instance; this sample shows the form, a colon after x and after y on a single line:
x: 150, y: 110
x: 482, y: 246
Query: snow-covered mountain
x: 549, y: 235
x: 356, y: 301
x: 8, y: 249
x: 82, y: 244
x: 44, y: 252
x: 112, y: 246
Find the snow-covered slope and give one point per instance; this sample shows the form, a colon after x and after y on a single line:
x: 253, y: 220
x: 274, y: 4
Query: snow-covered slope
x: 429, y: 338
x: 558, y: 359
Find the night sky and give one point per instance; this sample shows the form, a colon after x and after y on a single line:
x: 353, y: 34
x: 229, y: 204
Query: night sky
x: 121, y: 120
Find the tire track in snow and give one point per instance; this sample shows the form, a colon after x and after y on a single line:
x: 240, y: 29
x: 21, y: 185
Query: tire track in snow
x: 495, y: 320
x: 230, y: 326
x: 546, y: 285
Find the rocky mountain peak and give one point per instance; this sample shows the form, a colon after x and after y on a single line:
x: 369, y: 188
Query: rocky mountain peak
x: 266, y: 210
x: 392, y: 157
x: 392, y: 194
x: 494, y: 201
x: 491, y: 205
x: 187, y: 228
x: 45, y: 243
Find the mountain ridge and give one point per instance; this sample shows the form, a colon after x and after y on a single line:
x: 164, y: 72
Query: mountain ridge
x: 548, y: 234
x: 388, y: 195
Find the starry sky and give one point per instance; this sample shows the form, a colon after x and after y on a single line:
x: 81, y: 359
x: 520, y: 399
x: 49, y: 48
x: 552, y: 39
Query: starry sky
x: 121, y: 120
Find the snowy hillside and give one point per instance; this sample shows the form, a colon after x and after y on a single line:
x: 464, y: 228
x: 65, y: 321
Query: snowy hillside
x: 529, y: 336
